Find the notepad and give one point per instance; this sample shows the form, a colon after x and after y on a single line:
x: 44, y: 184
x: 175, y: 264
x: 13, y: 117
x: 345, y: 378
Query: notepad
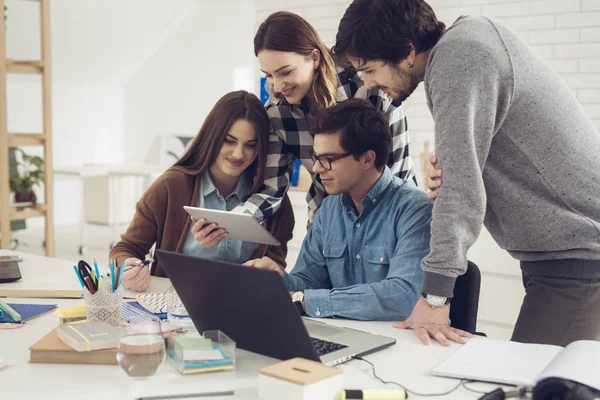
x: 28, y: 311
x: 156, y: 303
x: 523, y: 364
x: 42, y: 294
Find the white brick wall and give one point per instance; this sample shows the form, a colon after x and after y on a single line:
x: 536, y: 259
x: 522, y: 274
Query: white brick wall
x: 564, y: 32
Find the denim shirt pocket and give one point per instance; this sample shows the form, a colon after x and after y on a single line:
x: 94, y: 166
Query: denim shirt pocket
x: 377, y: 262
x: 334, y: 255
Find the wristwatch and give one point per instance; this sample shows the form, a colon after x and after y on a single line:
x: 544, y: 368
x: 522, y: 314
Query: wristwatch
x: 436, y: 301
x: 298, y: 299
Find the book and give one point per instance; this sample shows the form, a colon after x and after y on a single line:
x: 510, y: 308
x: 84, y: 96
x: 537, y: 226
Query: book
x: 27, y: 311
x: 50, y: 349
x: 89, y: 336
x: 523, y: 364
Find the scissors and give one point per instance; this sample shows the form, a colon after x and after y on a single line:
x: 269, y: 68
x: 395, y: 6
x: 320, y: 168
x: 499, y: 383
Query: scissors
x: 85, y: 270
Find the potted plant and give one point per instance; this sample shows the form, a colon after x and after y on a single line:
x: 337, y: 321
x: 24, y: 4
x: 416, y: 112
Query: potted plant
x: 30, y: 173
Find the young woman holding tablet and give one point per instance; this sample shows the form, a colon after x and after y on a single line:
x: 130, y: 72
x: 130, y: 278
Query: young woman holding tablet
x: 223, y: 165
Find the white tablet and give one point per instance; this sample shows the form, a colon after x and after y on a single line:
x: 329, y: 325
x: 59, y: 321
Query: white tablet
x: 240, y: 226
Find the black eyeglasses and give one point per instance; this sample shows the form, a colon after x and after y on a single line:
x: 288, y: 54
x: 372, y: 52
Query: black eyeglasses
x: 324, y: 161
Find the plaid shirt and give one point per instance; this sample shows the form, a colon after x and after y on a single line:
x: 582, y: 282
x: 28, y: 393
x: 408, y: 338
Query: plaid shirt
x: 291, y: 139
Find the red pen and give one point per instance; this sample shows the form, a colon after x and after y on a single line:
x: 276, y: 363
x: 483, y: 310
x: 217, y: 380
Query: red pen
x: 89, y: 285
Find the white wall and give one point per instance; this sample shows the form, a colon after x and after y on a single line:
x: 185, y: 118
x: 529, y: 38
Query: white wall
x: 564, y: 32
x: 176, y: 88
x: 87, y: 127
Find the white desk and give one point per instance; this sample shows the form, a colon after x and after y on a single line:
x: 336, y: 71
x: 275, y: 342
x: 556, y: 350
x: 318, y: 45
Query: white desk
x: 407, y: 362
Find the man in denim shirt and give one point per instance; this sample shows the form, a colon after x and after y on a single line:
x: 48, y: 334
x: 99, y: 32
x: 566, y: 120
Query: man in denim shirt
x: 362, y: 257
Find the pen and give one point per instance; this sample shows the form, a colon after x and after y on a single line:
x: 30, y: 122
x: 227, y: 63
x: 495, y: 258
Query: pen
x: 96, y: 267
x: 10, y: 312
x: 372, y: 394
x: 78, y: 276
x: 89, y: 285
x: 142, y: 264
x: 112, y: 276
x: 121, y: 275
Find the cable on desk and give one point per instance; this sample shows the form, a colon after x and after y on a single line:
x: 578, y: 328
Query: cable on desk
x: 473, y: 390
x: 404, y: 387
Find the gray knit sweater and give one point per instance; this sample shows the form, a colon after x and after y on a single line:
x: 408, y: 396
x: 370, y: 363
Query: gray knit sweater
x: 518, y: 153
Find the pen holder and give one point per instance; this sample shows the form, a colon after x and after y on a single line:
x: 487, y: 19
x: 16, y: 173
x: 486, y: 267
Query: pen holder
x: 104, y: 305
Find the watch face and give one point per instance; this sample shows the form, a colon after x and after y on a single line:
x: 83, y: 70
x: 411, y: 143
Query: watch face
x: 297, y: 296
x: 436, y: 301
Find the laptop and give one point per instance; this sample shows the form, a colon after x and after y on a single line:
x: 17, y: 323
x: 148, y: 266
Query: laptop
x: 254, y: 308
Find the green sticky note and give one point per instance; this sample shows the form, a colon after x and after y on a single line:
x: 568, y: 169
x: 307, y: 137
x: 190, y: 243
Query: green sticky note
x: 193, y: 342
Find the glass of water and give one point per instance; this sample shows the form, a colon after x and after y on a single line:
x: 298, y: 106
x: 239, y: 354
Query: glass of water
x: 141, y: 349
x: 177, y: 313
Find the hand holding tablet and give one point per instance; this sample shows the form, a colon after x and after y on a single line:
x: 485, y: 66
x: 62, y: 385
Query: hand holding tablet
x: 234, y: 226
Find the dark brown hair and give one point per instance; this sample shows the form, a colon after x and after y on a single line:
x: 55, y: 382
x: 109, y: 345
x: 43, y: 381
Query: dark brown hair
x: 362, y: 127
x: 205, y: 147
x: 289, y: 32
x: 386, y: 29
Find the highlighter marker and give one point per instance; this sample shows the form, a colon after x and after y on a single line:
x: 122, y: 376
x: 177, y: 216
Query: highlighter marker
x: 372, y: 394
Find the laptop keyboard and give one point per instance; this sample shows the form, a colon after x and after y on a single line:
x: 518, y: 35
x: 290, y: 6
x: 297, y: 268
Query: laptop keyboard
x: 324, y: 347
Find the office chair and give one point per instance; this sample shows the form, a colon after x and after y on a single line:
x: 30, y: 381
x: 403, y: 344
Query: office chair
x: 465, y: 303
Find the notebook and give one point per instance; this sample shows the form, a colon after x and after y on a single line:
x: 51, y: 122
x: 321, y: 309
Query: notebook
x: 156, y: 303
x: 141, y: 309
x: 523, y: 364
x: 28, y: 311
x: 50, y: 349
x: 89, y: 336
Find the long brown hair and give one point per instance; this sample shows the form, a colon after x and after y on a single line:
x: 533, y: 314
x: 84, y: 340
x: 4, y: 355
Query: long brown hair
x: 205, y: 147
x: 286, y: 31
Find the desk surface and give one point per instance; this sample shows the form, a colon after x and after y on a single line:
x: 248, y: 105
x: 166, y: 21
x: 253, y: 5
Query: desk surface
x: 407, y: 362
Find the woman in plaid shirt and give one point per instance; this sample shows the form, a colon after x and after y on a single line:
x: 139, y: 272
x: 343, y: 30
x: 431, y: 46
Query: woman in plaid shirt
x: 305, y: 81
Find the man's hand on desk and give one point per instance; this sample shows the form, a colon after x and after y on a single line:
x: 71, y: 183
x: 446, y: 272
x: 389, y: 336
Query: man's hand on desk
x: 265, y: 263
x: 430, y: 323
x: 137, y: 276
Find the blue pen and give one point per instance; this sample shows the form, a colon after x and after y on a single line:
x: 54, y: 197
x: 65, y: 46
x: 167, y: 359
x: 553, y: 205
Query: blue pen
x: 112, y: 276
x: 78, y: 276
x: 121, y: 275
x: 96, y: 267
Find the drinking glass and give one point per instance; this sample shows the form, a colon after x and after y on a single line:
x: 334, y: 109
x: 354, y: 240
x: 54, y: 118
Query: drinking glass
x: 141, y: 349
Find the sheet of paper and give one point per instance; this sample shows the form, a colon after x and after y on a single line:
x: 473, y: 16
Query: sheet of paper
x: 579, y: 362
x: 498, y: 361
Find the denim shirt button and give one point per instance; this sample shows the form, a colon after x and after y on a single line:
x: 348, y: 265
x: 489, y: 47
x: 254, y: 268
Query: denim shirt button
x: 381, y: 259
x: 358, y: 224
x: 358, y: 256
x: 318, y: 313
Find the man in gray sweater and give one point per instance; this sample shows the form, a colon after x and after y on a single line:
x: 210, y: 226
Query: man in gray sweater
x: 518, y: 153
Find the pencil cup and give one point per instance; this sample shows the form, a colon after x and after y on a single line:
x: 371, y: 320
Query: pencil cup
x: 104, y: 305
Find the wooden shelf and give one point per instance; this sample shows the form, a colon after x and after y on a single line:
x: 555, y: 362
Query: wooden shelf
x: 24, y: 67
x: 26, y: 139
x: 39, y: 210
